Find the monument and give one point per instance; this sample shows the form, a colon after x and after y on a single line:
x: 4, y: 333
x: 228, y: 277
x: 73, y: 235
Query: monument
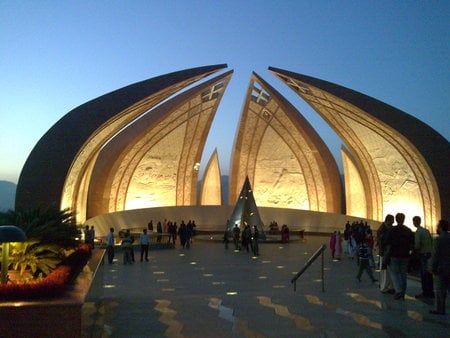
x: 137, y: 151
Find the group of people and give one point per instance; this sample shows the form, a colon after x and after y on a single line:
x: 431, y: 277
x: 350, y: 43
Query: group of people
x: 358, y: 242
x: 184, y: 231
x: 89, y: 235
x: 247, y: 240
x: 398, y: 243
x: 127, y: 246
x: 355, y: 235
x: 274, y: 229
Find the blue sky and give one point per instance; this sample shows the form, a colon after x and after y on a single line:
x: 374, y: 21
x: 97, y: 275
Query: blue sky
x: 56, y: 55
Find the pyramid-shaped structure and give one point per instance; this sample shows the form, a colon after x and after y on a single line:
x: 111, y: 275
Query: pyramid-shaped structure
x: 246, y: 212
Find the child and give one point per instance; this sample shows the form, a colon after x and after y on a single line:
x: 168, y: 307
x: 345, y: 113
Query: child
x: 364, y: 262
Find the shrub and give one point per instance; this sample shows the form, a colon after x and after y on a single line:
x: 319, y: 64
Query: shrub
x: 56, y: 281
x: 47, y: 225
x: 40, y: 259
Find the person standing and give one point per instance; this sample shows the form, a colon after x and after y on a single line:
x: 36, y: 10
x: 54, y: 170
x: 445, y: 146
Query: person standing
x: 194, y: 226
x: 364, y: 261
x: 144, y: 240
x: 190, y: 229
x: 127, y: 245
x: 338, y: 247
x: 150, y: 226
x: 87, y: 235
x: 284, y: 233
x: 110, y: 245
x: 132, y: 248
x: 255, y: 239
x: 174, y: 232
x: 370, y: 244
x: 386, y: 285
x: 182, y: 233
x: 423, y: 245
x: 440, y: 266
x: 236, y: 235
x: 347, y: 231
x: 225, y: 239
x: 401, y: 244
x: 246, y: 237
x: 188, y: 236
x: 92, y: 236
x: 159, y: 230
x: 169, y: 231
x: 333, y: 244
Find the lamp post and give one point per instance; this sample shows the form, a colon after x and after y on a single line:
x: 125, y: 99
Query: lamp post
x: 9, y: 233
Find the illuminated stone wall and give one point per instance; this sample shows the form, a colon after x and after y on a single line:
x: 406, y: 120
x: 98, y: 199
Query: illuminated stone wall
x: 58, y: 169
x: 152, y: 162
x: 140, y: 147
x: 279, y: 180
x: 214, y: 217
x: 355, y: 193
x: 153, y: 181
x: 211, y: 189
x: 403, y: 163
x: 287, y: 163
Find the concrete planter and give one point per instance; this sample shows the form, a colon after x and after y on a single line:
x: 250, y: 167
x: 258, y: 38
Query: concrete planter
x: 59, y: 317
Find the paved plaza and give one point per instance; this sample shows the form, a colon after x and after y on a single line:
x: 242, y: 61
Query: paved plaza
x: 207, y: 291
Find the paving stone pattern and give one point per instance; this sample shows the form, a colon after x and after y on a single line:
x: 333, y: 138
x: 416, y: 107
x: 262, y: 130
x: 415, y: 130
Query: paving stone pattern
x: 207, y: 291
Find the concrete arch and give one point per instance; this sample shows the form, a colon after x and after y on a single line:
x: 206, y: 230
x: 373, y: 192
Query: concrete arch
x: 405, y: 162
x: 67, y: 152
x: 287, y: 161
x: 151, y: 162
x: 211, y: 187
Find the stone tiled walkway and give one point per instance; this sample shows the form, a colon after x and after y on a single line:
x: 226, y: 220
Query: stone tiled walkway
x: 207, y: 291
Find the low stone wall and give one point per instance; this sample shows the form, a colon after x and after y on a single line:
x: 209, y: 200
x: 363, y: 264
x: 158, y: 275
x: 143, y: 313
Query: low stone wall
x: 214, y: 218
x: 60, y: 317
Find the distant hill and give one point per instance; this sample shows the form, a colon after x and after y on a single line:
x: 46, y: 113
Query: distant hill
x: 7, y: 195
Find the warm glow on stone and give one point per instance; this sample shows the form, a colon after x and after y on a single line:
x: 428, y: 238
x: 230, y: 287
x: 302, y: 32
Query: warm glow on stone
x: 385, y: 172
x: 286, y: 161
x: 211, y: 190
x: 355, y: 198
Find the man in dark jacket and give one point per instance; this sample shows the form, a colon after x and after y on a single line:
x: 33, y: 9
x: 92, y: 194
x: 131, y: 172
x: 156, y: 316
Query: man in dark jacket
x: 440, y: 266
x: 400, y: 242
x: 386, y: 285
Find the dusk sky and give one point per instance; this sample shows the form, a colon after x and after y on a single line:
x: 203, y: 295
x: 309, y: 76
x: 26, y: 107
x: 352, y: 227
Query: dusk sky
x: 57, y: 55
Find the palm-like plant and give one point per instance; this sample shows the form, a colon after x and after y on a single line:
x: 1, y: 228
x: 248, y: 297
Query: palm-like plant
x: 48, y: 225
x: 48, y: 230
x: 40, y: 259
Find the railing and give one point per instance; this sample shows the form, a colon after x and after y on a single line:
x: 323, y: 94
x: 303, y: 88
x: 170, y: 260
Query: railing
x: 307, y: 265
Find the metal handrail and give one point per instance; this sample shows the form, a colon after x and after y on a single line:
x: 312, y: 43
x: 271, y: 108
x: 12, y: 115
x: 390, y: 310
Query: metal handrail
x: 307, y: 264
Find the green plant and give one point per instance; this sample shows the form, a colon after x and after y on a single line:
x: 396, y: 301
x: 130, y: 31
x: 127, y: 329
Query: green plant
x: 49, y: 231
x: 48, y: 225
x: 40, y: 259
x: 54, y: 284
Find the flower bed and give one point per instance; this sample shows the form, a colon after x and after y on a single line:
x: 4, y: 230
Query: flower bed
x: 54, y: 284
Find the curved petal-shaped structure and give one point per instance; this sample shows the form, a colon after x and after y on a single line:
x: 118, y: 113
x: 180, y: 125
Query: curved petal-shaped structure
x: 153, y: 161
x: 211, y: 189
x: 403, y: 163
x: 287, y: 161
x: 355, y: 193
x: 59, y: 167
